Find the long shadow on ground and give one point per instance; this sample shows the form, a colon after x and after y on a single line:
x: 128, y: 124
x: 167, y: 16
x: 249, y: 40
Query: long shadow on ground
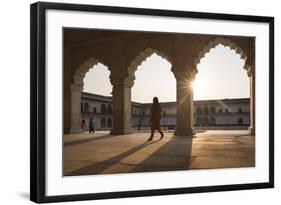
x: 172, y: 156
x: 96, y: 168
x: 81, y: 141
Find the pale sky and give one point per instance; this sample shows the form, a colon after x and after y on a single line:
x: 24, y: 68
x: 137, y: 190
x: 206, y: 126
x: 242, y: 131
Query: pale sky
x: 220, y: 75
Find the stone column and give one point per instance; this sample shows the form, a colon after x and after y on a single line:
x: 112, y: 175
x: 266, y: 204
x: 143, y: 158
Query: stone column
x: 75, y: 108
x: 121, y: 94
x: 252, y: 104
x: 184, y: 126
x: 252, y: 75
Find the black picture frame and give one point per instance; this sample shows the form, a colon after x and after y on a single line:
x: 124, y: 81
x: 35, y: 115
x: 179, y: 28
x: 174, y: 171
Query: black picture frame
x: 38, y: 103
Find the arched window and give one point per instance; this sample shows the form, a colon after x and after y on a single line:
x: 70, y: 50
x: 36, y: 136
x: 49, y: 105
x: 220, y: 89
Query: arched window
x: 206, y: 110
x: 164, y: 112
x: 109, y: 122
x: 198, y: 121
x: 82, y: 110
x: 226, y: 110
x: 199, y: 110
x: 213, y: 109
x: 103, y: 123
x: 240, y: 121
x: 109, y: 109
x: 86, y: 108
x: 240, y: 110
x: 95, y: 110
x: 103, y: 108
x: 206, y: 121
x: 212, y: 121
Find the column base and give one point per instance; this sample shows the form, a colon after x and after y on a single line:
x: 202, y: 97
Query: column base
x: 121, y: 131
x: 252, y: 131
x: 183, y: 132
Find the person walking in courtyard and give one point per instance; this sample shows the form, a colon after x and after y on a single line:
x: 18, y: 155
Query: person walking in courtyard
x: 155, y: 117
x: 91, y: 126
x: 83, y: 125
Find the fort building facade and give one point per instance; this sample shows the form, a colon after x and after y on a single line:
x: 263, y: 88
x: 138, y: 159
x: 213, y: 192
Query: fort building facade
x: 207, y: 114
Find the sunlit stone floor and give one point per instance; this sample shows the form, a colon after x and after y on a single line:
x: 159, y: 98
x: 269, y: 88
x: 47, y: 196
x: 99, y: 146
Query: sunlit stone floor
x: 101, y: 153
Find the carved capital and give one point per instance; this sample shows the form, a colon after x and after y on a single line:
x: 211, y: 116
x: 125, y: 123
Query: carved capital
x: 250, y: 70
x: 122, y: 82
x: 185, y: 75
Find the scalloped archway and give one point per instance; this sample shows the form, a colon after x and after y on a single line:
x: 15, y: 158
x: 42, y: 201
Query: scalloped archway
x: 139, y: 60
x: 143, y: 55
x: 84, y: 68
x: 250, y: 70
x: 76, y: 89
x: 227, y: 43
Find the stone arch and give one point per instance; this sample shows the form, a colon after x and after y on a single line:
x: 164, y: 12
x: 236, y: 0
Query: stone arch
x: 143, y: 55
x: 83, y: 69
x: 86, y: 108
x: 109, y: 109
x: 226, y: 43
x: 76, y: 89
x: 212, y: 121
x: 205, y: 121
x: 240, y: 121
x: 103, y: 123
x: 198, y: 121
x: 198, y: 110
x: 212, y: 109
x: 248, y: 66
x: 206, y: 110
x: 132, y: 66
x: 109, y: 122
x: 103, y: 108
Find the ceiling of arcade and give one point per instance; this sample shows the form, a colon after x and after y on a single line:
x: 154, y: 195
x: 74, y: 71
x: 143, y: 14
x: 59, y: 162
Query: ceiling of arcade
x: 107, y: 44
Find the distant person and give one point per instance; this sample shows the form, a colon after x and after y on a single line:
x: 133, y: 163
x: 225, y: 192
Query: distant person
x: 91, y: 126
x: 139, y: 124
x: 83, y: 125
x: 155, y: 117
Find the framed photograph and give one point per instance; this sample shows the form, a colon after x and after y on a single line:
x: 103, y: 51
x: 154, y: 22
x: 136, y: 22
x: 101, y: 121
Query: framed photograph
x: 129, y: 102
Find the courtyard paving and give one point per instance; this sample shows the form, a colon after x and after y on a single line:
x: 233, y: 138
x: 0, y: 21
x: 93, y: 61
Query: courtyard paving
x: 101, y: 153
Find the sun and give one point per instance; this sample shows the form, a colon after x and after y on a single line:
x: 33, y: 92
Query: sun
x: 200, y: 87
x: 196, y: 86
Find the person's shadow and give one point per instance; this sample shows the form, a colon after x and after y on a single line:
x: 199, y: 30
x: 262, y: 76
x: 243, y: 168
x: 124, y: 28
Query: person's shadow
x: 174, y: 155
x: 96, y: 168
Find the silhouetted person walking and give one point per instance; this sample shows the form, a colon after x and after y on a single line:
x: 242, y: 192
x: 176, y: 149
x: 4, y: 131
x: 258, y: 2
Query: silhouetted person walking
x: 83, y: 125
x: 155, y: 117
x: 91, y: 126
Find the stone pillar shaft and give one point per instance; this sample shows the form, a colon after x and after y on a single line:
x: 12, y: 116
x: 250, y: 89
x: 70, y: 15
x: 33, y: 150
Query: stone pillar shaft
x: 252, y: 104
x: 184, y: 125
x: 121, y: 106
x: 75, y: 108
x: 252, y: 74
